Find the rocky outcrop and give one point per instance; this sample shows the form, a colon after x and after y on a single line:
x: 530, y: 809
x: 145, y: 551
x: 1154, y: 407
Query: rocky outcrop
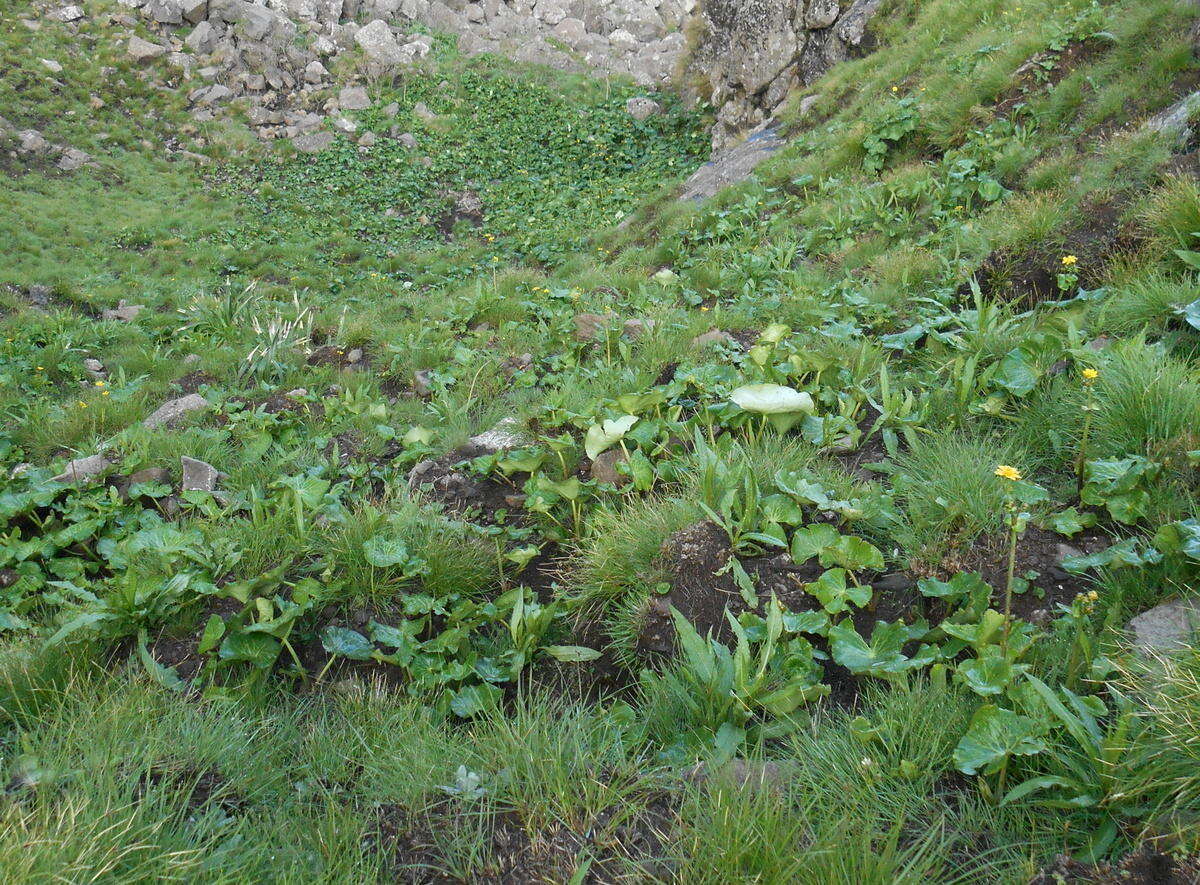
x: 749, y: 54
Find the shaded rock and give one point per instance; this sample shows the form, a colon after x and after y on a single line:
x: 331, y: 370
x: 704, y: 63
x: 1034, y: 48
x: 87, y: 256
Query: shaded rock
x: 352, y: 98
x: 1175, y: 123
x: 642, y: 108
x: 72, y: 159
x: 713, y: 336
x: 313, y: 142
x: 123, y: 312
x: 604, y: 467
x: 197, y: 475
x: 1167, y: 627
x: 84, y: 471
x: 379, y: 44
x: 143, y: 51
x: 173, y: 410
x: 504, y: 436
x: 422, y: 113
x: 738, y: 774
x: 590, y: 326
x: 732, y: 165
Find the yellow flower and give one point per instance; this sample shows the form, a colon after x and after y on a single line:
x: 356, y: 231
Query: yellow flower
x: 105, y: 393
x: 1089, y: 375
x: 1007, y: 472
x: 1069, y: 261
x: 1093, y: 595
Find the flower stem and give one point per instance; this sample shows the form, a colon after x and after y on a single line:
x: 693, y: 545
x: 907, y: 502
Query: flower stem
x: 1008, y: 583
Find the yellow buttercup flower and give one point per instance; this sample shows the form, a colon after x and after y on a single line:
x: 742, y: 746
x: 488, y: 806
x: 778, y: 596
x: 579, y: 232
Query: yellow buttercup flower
x: 1069, y: 261
x: 1008, y: 472
x: 1089, y: 375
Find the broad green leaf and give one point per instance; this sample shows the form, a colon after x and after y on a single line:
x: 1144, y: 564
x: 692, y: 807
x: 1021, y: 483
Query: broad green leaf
x: 347, y: 643
x: 852, y: 553
x: 835, y: 594
x: 993, y: 735
x: 384, y: 552
x: 810, y: 540
x: 606, y: 434
x: 472, y: 700
x: 214, y: 629
x: 571, y: 654
x: 164, y: 676
x: 257, y: 649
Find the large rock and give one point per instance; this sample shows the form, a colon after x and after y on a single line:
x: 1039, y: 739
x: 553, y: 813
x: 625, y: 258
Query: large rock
x: 172, y: 410
x: 751, y: 53
x: 142, y: 51
x: 198, y: 476
x: 313, y: 142
x: 203, y: 39
x: 354, y: 98
x: 379, y: 44
x: 84, y: 471
x: 1167, y: 627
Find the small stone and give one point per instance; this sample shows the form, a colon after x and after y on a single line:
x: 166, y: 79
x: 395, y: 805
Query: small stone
x: 712, y: 336
x: 354, y: 98
x: 125, y: 313
x: 355, y: 355
x: 198, y: 476
x: 590, y: 326
x: 604, y: 467
x: 641, y: 108
x: 148, y: 474
x: 143, y: 51
x: 1167, y: 627
x: 738, y: 773
x: 637, y: 328
x: 390, y: 110
x: 504, y: 436
x: 367, y: 139
x: 312, y: 142
x: 407, y: 139
x: 297, y: 393
x: 83, y: 471
x: 421, y: 112
x: 422, y: 384
x: 173, y: 410
x: 93, y: 367
x: 315, y: 72
x: 52, y: 66
x: 68, y: 14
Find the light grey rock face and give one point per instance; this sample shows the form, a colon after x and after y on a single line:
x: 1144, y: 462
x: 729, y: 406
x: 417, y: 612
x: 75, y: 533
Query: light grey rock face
x: 1175, y: 123
x: 84, y: 471
x: 123, y: 312
x: 142, y: 51
x: 752, y: 53
x: 313, y: 142
x: 641, y: 108
x: 353, y: 98
x: 68, y: 14
x: 198, y: 475
x: 172, y: 410
x: 1167, y: 627
x: 72, y: 159
x: 202, y: 40
x: 379, y: 44
x: 504, y: 436
x: 731, y: 165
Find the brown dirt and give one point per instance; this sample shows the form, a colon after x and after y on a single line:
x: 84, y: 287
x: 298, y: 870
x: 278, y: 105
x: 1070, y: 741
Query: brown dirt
x: 180, y: 652
x: 411, y: 843
x: 205, y: 787
x: 193, y: 381
x: 336, y: 355
x: 480, y: 499
x: 1146, y: 866
x: 1046, y: 70
x: 1028, y: 276
x: 1038, y: 550
x: 692, y: 557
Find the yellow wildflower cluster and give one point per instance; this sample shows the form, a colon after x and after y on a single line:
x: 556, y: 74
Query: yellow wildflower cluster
x: 1006, y: 472
x: 1069, y: 261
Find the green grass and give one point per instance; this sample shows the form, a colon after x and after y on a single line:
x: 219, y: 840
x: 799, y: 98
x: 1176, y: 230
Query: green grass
x: 900, y: 262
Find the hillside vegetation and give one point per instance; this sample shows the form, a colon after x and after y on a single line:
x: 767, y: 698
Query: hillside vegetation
x: 480, y: 511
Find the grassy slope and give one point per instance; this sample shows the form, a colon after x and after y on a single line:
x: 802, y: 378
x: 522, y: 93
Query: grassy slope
x: 817, y: 243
